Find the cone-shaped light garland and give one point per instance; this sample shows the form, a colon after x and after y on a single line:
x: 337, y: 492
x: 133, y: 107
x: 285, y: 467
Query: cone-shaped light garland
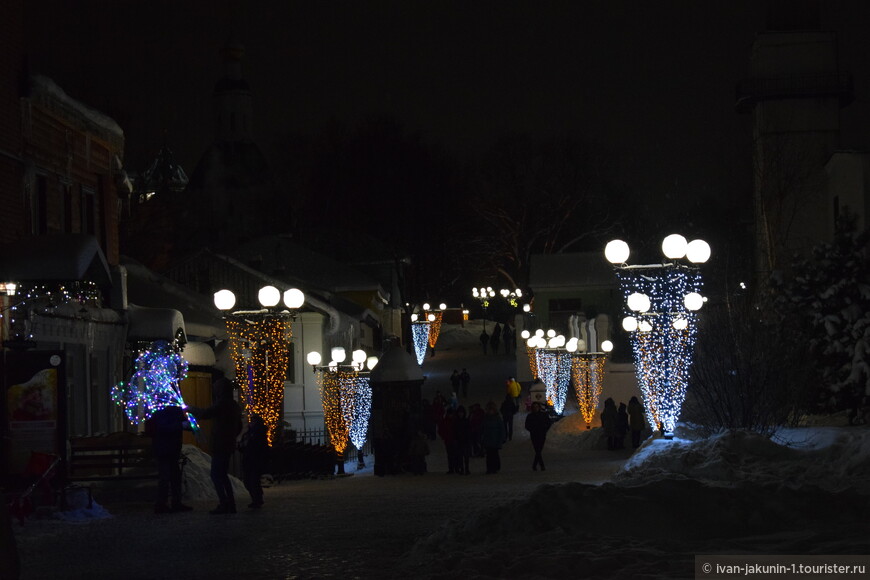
x: 662, y: 350
x: 588, y: 374
x: 155, y: 383
x: 347, y: 403
x: 554, y: 368
x: 259, y: 347
x: 420, y: 335
x: 435, y: 328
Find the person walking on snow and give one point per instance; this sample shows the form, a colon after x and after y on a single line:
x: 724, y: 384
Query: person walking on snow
x: 636, y: 421
x: 537, y: 424
x: 464, y: 379
x: 492, y: 437
x: 508, y: 409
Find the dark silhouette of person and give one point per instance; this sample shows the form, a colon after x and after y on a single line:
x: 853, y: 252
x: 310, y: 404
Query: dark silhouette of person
x: 462, y: 432
x: 418, y: 449
x: 227, y: 417
x: 492, y: 437
x: 621, y: 426
x: 254, y: 446
x: 475, y: 418
x: 464, y: 379
x: 506, y: 338
x: 447, y: 431
x: 537, y: 424
x: 495, y: 338
x: 608, y: 422
x: 165, y: 427
x: 508, y: 409
x: 636, y: 421
x: 484, y: 340
x: 455, y: 381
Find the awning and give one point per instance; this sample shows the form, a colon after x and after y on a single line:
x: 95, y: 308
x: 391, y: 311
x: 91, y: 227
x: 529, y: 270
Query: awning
x: 61, y: 257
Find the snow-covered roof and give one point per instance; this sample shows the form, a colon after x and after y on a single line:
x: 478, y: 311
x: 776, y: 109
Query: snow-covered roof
x: 62, y: 257
x: 46, y: 91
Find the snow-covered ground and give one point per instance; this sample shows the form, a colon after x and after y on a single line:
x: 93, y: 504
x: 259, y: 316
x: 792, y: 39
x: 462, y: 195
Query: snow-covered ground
x: 806, y: 492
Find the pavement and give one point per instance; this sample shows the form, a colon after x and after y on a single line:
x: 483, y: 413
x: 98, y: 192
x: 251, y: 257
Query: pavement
x: 358, y: 526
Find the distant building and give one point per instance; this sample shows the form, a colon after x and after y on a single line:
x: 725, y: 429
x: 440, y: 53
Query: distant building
x: 794, y: 92
x: 849, y: 186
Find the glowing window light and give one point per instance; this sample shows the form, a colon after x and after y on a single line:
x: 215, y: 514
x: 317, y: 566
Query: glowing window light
x: 588, y: 374
x: 420, y: 337
x: 155, y: 383
x: 259, y: 349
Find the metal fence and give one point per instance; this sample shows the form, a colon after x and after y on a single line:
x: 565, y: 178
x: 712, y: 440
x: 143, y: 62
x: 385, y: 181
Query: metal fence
x: 321, y: 437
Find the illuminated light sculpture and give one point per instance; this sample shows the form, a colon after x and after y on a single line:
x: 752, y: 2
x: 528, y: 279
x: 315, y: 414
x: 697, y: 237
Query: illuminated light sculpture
x: 259, y: 345
x: 420, y: 337
x: 587, y: 370
x: 346, y: 396
x: 434, y: 317
x: 155, y: 383
x: 663, y: 333
x: 553, y: 365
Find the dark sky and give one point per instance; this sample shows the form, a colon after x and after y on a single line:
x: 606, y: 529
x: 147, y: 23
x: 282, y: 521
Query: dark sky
x: 651, y: 80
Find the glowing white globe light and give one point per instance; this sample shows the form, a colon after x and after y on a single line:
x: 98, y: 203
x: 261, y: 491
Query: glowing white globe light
x: 644, y: 326
x: 294, y: 298
x: 539, y: 332
x: 442, y: 306
x: 616, y: 252
x: 532, y: 342
x: 629, y: 323
x: 504, y: 292
x: 553, y: 342
x: 431, y: 318
x: 698, y: 251
x: 607, y: 346
x: 571, y: 345
x: 638, y: 302
x: 414, y: 317
x: 561, y: 339
x: 358, y: 356
x: 541, y: 342
x: 551, y: 333
x: 425, y: 306
x: 681, y: 323
x: 474, y: 292
x: 313, y: 358
x: 525, y: 334
x: 674, y: 246
x: 519, y: 293
x: 693, y: 301
x: 269, y: 296
x: 581, y: 345
x: 371, y: 362
x: 527, y: 308
x: 333, y: 366
x: 224, y: 299
x: 338, y: 354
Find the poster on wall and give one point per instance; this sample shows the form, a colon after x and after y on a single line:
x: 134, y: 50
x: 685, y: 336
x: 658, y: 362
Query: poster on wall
x: 33, y: 385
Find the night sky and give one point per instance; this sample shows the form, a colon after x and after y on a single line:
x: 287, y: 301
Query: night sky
x: 652, y: 83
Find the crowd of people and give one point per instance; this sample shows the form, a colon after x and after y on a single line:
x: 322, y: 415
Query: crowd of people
x: 501, y: 336
x: 618, y: 422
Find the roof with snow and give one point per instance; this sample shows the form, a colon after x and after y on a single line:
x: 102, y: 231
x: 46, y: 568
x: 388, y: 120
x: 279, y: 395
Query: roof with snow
x: 46, y: 92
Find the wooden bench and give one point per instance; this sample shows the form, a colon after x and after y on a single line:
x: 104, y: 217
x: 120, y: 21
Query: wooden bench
x: 115, y: 456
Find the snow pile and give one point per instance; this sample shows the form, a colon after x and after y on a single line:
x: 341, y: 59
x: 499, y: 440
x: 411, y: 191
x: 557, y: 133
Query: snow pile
x: 735, y: 492
x: 81, y: 507
x: 570, y: 432
x: 833, y: 460
x: 453, y: 336
x: 196, y: 484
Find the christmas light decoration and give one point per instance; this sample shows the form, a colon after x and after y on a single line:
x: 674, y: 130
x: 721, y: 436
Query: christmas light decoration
x: 420, y: 337
x: 434, y: 327
x: 663, y: 332
x: 346, y: 396
x: 259, y: 348
x: 587, y: 370
x: 155, y: 383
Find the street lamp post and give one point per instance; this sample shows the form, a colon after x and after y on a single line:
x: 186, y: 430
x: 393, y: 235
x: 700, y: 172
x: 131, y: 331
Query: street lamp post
x: 259, y: 341
x: 347, y: 399
x: 662, y: 303
x: 484, y: 295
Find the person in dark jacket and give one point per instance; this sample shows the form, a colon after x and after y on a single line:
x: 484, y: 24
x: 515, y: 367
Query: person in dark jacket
x: 636, y: 421
x: 227, y: 417
x: 608, y: 422
x: 484, y: 340
x: 495, y: 338
x: 447, y: 432
x: 165, y: 427
x: 537, y: 424
x: 492, y: 437
x: 462, y: 432
x: 508, y: 410
x: 621, y: 426
x: 254, y: 446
